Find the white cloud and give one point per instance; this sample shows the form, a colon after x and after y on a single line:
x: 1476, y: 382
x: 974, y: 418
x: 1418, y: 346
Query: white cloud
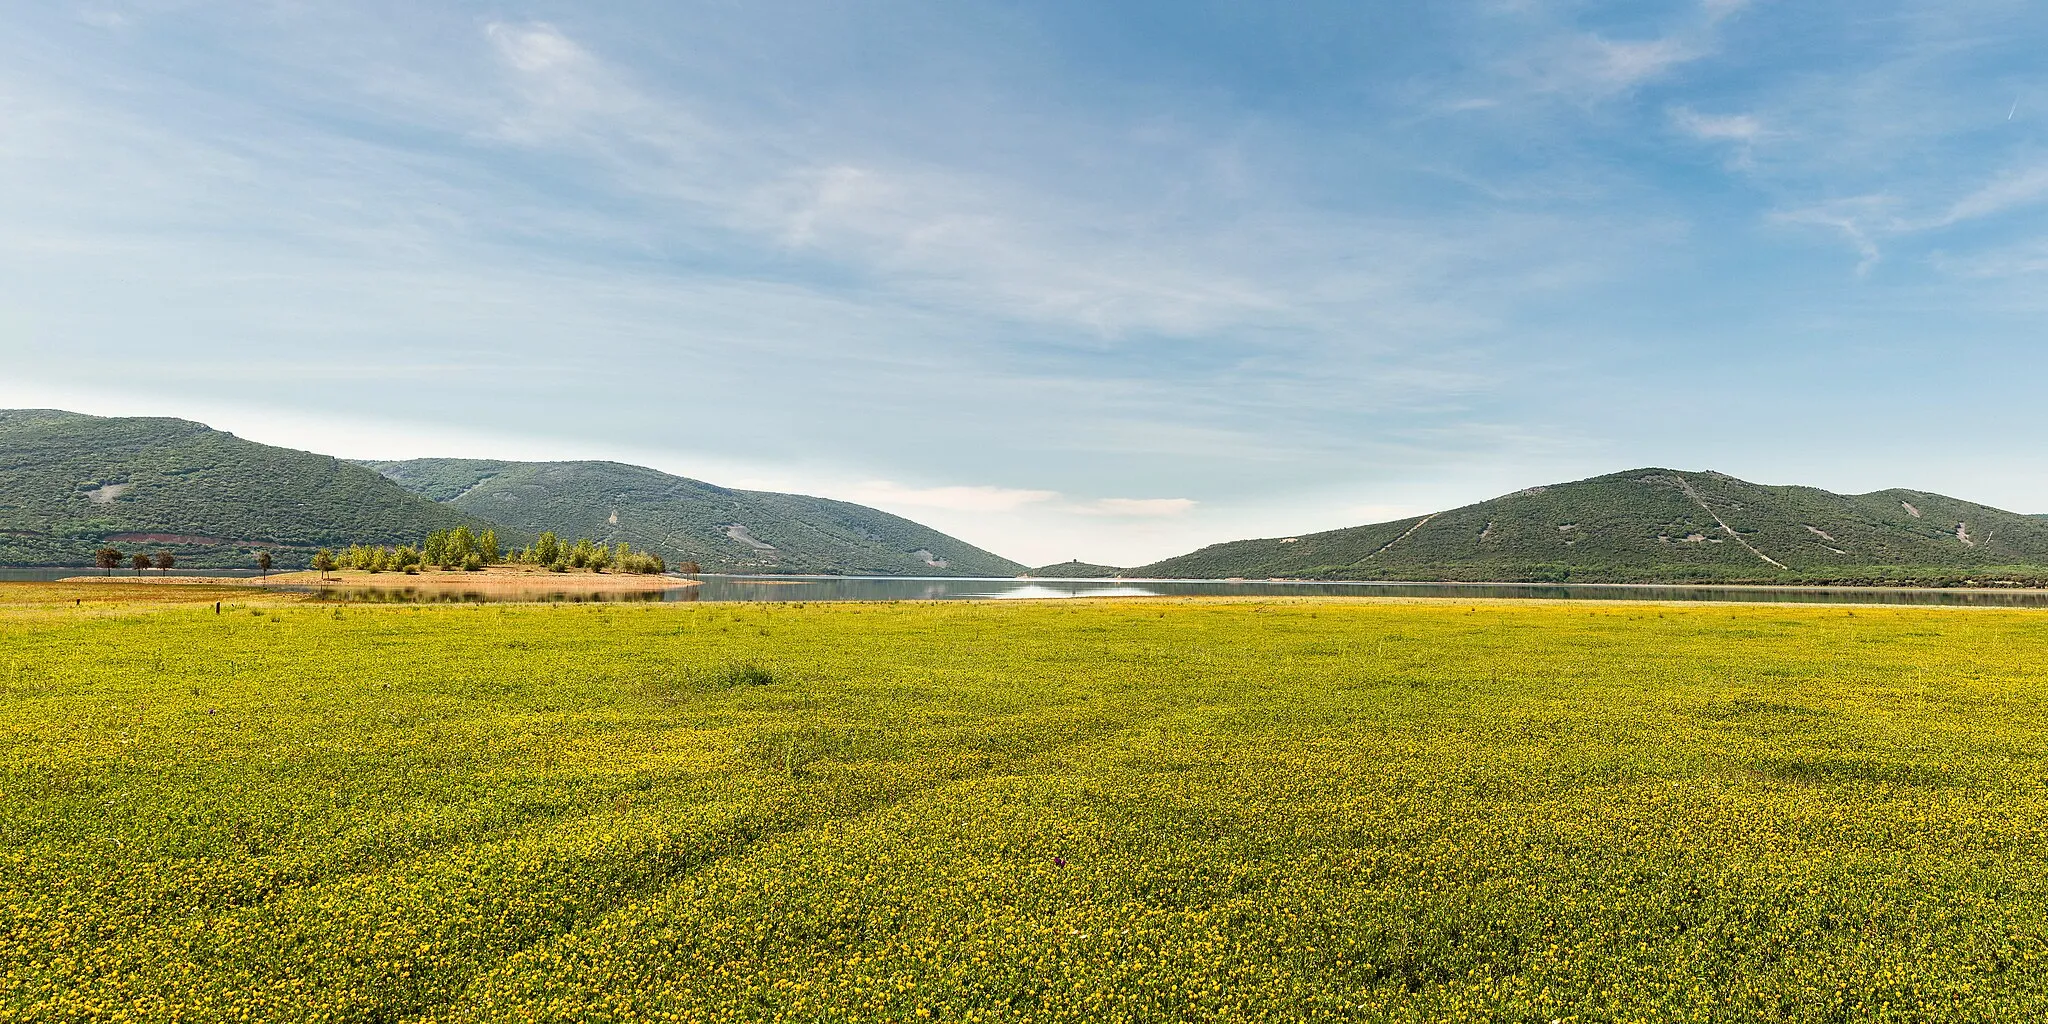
x: 1858, y: 220
x: 1718, y: 127
x: 1716, y: 10
x: 2010, y: 190
x: 1623, y: 64
x: 537, y: 47
x: 99, y: 17
x: 1138, y: 507
x: 1864, y: 220
x: 2024, y: 260
x: 955, y: 498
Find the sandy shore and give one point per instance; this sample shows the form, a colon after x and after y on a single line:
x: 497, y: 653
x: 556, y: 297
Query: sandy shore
x: 497, y: 579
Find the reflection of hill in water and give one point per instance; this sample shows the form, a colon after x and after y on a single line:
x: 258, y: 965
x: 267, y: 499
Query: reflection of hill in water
x: 411, y: 595
x: 801, y: 590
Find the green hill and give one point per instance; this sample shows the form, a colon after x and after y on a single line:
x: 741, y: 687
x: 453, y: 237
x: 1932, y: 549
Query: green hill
x: 71, y: 483
x: 1659, y: 525
x: 1075, y: 570
x: 690, y: 520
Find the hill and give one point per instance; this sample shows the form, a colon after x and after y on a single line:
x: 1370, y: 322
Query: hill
x: 682, y: 520
x: 1659, y: 525
x: 1075, y: 570
x: 70, y: 483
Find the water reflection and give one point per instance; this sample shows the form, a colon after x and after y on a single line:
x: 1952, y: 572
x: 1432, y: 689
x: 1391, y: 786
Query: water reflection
x: 871, y: 588
x: 737, y: 588
x: 434, y: 595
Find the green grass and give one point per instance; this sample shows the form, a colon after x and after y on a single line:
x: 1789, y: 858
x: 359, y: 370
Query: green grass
x: 1142, y: 811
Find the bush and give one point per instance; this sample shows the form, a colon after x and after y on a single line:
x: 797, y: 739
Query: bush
x: 737, y: 674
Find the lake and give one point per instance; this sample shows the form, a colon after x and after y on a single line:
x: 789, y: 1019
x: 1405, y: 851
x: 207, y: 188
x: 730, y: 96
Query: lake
x: 713, y: 588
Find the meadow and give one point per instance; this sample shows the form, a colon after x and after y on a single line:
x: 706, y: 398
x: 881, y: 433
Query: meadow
x: 1115, y: 811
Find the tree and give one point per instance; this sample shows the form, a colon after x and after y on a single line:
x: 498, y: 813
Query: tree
x: 263, y: 563
x: 435, y: 550
x: 688, y: 568
x: 461, y: 545
x: 140, y: 562
x: 323, y: 560
x: 165, y: 561
x: 487, y: 547
x: 107, y: 558
x: 548, y: 549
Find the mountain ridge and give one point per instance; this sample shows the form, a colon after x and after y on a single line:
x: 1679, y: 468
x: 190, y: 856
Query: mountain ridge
x: 71, y: 483
x: 685, y: 520
x: 1655, y: 525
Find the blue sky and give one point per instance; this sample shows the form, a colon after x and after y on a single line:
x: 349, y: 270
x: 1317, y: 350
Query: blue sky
x: 1068, y: 279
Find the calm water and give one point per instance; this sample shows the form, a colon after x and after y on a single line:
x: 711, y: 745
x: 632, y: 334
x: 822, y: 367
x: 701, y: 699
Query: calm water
x: 868, y: 588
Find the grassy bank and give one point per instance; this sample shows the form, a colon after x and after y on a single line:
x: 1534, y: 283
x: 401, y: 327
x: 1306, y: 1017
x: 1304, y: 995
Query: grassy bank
x: 1079, y: 811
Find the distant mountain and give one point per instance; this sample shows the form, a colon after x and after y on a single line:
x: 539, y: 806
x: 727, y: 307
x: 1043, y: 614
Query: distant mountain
x: 1075, y: 569
x: 1658, y: 525
x: 690, y: 520
x: 70, y: 484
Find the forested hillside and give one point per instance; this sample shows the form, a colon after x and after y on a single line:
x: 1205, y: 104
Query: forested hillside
x: 685, y: 520
x: 1659, y: 525
x: 70, y: 484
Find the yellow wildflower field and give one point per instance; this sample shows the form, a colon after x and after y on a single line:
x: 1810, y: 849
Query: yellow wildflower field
x: 1117, y: 811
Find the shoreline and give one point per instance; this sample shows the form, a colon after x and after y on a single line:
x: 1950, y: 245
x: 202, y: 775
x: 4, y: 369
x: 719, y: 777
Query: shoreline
x: 300, y: 581
x: 506, y: 577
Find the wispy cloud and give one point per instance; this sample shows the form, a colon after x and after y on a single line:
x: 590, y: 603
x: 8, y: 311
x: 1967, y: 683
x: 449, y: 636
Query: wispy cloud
x: 1593, y: 66
x: 2011, y: 190
x: 1744, y: 128
x: 1138, y: 507
x: 1742, y: 131
x: 2028, y: 259
x: 954, y: 498
x: 1859, y: 220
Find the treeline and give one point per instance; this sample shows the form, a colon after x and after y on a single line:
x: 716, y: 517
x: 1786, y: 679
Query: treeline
x: 551, y: 553
x: 110, y: 558
x: 463, y: 549
x: 460, y: 548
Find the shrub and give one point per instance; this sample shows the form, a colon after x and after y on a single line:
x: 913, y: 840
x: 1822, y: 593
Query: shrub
x: 737, y: 674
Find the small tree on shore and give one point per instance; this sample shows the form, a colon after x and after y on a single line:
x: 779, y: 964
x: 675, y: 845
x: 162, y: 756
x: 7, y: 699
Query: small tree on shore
x: 107, y: 559
x: 140, y: 562
x: 323, y: 560
x: 548, y: 549
x: 263, y: 563
x: 165, y: 561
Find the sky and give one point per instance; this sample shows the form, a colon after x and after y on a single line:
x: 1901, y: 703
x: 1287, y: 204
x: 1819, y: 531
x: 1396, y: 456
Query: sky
x: 1065, y: 279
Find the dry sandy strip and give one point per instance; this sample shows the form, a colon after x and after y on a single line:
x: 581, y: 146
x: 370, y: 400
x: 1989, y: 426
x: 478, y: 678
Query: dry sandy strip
x: 488, y: 581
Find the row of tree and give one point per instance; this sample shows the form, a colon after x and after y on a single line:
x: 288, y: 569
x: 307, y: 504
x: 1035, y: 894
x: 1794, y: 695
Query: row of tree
x: 111, y: 558
x: 460, y: 548
x: 552, y: 553
x: 471, y: 551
